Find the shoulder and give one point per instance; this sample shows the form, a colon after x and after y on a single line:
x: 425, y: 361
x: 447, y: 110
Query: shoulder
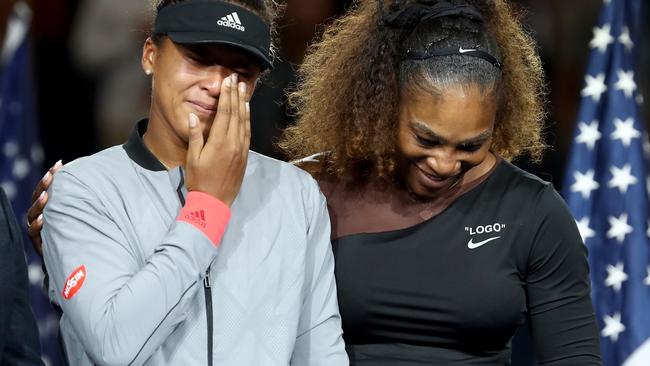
x: 279, y: 175
x: 106, y: 163
x: 88, y: 174
x: 535, y: 199
x: 519, y: 185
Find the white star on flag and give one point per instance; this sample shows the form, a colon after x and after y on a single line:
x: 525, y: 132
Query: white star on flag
x: 613, y: 327
x: 622, y: 178
x: 618, y: 228
x: 626, y: 82
x: 646, y: 281
x: 20, y: 168
x: 585, y: 231
x: 602, y: 38
x: 10, y: 149
x: 9, y: 188
x: 35, y: 274
x: 625, y: 131
x: 584, y: 183
x: 615, y: 276
x: 589, y: 134
x: 595, y: 87
x: 625, y: 39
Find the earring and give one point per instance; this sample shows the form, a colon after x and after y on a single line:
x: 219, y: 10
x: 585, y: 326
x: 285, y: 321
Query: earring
x: 148, y: 72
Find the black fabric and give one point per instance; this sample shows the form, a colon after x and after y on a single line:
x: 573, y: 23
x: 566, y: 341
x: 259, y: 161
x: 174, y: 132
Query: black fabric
x: 19, y: 340
x: 411, y: 14
x: 449, y: 51
x: 138, y: 151
x: 196, y: 22
x: 452, y: 290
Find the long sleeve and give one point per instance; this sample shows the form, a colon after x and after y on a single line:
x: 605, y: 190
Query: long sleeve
x: 561, y: 316
x: 22, y: 344
x: 320, y: 340
x: 121, y: 308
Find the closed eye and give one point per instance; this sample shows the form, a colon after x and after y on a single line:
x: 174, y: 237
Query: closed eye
x: 425, y: 142
x: 470, y: 147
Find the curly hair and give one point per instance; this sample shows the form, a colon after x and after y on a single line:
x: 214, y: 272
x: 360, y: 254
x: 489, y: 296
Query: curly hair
x: 347, y: 98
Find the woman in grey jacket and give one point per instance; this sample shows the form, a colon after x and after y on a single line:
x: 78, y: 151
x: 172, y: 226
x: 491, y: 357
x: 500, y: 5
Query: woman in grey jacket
x: 181, y: 247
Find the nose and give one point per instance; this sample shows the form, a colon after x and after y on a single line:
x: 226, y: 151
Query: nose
x: 212, y: 79
x: 444, y: 165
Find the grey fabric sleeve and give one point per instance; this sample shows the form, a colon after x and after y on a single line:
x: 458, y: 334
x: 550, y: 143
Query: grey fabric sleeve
x: 126, y: 307
x: 320, y: 337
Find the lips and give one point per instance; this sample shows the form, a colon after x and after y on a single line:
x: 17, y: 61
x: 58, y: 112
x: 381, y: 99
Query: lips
x: 203, y: 108
x: 431, y: 180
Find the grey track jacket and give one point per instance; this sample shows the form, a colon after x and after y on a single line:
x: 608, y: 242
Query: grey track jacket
x: 270, y: 293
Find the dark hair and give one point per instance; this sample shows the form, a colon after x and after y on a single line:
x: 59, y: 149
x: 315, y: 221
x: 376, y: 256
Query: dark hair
x: 347, y: 98
x: 436, y: 74
x: 265, y: 9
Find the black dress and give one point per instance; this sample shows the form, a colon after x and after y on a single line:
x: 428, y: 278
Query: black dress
x: 453, y: 289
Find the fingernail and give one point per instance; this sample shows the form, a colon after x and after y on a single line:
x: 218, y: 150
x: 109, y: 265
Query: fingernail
x: 226, y: 82
x: 242, y: 88
x: 248, y: 107
x: 46, y: 176
x: 234, y: 79
x: 194, y: 120
x: 42, y: 196
x: 58, y: 164
x: 39, y: 218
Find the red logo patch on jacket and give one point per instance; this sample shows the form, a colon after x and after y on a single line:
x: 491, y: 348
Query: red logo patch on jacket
x: 74, y: 282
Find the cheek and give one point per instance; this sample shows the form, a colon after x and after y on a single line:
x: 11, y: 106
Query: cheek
x: 405, y: 144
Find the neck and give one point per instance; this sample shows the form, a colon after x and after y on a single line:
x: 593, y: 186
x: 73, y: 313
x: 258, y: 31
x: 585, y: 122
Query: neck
x: 165, y: 144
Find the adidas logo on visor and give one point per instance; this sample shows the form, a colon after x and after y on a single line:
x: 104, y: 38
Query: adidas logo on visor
x: 231, y: 21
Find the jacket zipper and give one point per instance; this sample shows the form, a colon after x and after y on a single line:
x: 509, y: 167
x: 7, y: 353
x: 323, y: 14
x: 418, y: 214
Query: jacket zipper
x: 208, y: 312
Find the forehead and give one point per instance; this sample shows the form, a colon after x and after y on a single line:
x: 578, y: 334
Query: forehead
x: 455, y: 111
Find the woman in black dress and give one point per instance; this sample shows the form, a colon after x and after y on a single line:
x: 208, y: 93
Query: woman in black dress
x: 443, y: 247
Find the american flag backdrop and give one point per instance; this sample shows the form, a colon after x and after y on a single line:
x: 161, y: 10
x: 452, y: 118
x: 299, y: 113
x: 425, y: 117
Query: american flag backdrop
x: 21, y: 159
x: 607, y: 185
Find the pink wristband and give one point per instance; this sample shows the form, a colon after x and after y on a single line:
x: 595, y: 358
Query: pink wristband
x: 207, y: 214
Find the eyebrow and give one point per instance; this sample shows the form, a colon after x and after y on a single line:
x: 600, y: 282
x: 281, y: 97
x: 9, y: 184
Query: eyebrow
x: 422, y: 128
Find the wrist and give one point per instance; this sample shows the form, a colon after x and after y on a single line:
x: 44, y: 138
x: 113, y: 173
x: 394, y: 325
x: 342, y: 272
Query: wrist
x: 206, y: 213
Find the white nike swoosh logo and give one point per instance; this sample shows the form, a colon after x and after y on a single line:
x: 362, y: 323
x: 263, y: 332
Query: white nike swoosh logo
x: 465, y: 50
x: 472, y: 245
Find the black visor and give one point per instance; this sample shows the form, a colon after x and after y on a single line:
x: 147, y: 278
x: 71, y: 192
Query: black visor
x: 212, y: 21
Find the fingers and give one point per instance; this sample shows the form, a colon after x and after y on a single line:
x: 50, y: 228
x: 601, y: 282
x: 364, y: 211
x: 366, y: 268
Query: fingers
x: 34, y: 232
x: 45, y: 182
x: 241, y: 105
x: 56, y: 167
x: 36, y: 209
x: 247, y: 126
x: 195, y: 144
x: 221, y: 121
x: 233, y: 128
